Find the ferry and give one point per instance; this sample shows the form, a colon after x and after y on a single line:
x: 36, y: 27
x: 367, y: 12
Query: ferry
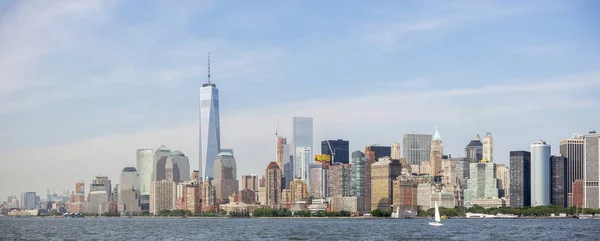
x: 479, y: 215
x: 500, y: 215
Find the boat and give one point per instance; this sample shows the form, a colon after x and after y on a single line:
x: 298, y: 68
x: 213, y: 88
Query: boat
x: 501, y: 215
x: 584, y: 216
x: 479, y: 215
x: 396, y: 214
x: 437, y: 220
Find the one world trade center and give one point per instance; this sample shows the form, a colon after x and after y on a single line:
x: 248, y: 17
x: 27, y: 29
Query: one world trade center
x: 210, y: 131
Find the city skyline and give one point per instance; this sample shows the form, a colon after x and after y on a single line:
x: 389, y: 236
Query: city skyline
x: 54, y: 122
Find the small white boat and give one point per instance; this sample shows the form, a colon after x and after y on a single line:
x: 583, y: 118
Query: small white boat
x: 437, y: 221
x: 396, y: 214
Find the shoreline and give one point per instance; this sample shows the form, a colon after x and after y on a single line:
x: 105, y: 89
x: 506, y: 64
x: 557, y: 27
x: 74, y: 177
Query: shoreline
x: 196, y: 217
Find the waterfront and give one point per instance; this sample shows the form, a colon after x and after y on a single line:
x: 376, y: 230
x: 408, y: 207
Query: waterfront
x: 294, y: 229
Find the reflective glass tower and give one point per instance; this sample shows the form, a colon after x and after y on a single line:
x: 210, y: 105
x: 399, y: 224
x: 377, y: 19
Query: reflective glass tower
x: 540, y: 173
x: 210, y: 132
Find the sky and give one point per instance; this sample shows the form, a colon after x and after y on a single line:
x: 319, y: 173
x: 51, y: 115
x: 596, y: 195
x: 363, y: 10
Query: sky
x: 84, y: 84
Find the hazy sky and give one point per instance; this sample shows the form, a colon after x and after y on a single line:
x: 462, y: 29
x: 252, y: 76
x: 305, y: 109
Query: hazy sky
x: 84, y: 84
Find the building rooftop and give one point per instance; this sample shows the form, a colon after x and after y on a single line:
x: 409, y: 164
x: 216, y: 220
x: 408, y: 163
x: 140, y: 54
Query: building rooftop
x: 129, y: 169
x: 225, y: 154
x: 163, y: 148
x: 475, y: 143
x: 177, y: 153
x: 436, y: 136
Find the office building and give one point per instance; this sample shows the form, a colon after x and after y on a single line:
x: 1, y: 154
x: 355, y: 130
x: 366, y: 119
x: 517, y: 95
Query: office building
x: 558, y: 183
x: 288, y: 166
x: 129, y: 191
x: 162, y: 196
x: 482, y: 183
x: 461, y: 165
x: 520, y: 179
x: 383, y: 173
x: 225, y: 176
x: 339, y: 180
x: 578, y: 195
x: 340, y: 147
x: 396, y: 151
x: 503, y: 176
x: 28, y: 200
x: 210, y: 127
x: 178, y: 167
x: 437, y: 150
x: 591, y: 165
x: 474, y: 150
x: 97, y: 202
x: 572, y: 149
x: 282, y: 155
x: 357, y: 176
x: 145, y: 167
x: 160, y: 163
x: 303, y: 159
x: 250, y: 182
x: 298, y: 190
x: 416, y: 148
x: 404, y: 192
x: 195, y: 176
x: 318, y: 186
x: 273, y: 188
x: 540, y: 174
x: 209, y: 196
x: 302, y: 135
x: 77, y: 200
x: 488, y: 147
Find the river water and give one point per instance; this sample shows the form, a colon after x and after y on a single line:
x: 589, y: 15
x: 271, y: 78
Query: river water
x: 295, y: 229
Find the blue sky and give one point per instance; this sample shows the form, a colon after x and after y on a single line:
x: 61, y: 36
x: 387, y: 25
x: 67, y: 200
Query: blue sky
x: 83, y: 84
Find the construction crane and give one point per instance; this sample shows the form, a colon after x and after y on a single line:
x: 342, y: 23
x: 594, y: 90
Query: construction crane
x: 332, y: 152
x: 277, y: 130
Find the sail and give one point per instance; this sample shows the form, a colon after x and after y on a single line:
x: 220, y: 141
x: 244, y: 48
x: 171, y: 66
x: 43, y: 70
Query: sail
x: 437, y: 213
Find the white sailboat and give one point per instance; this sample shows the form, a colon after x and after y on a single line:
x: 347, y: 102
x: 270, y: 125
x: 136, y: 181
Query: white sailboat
x: 437, y: 221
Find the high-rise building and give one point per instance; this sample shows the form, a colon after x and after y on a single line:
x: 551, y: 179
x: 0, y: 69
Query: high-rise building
x: 298, y: 190
x: 209, y: 196
x: 288, y: 164
x: 578, y: 196
x: 303, y: 159
x: 273, y: 184
x: 462, y: 170
x: 591, y: 165
x: 474, y: 150
x: 503, y: 176
x: 416, y: 148
x: 540, y: 174
x: 302, y: 135
x: 162, y: 196
x: 405, y: 193
x: 225, y: 176
x: 572, y: 149
x: 357, y: 179
x: 145, y: 167
x: 282, y: 155
x: 195, y: 176
x: 160, y: 163
x: 482, y: 183
x: 318, y: 185
x: 28, y: 200
x: 99, y: 196
x: 178, y: 167
x: 250, y: 182
x: 383, y: 173
x: 77, y: 200
x: 488, y: 147
x: 339, y: 180
x: 520, y: 179
x: 129, y: 191
x: 340, y: 147
x: 210, y: 127
x: 437, y: 150
x: 558, y: 183
x: 396, y: 151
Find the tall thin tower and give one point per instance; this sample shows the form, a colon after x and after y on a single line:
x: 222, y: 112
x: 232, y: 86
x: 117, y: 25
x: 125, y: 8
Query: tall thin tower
x: 210, y: 131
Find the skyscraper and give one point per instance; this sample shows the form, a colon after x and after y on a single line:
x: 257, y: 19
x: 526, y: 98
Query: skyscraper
x: 503, y: 176
x: 182, y: 163
x: 482, y: 183
x: 302, y: 134
x: 488, y: 147
x: 339, y: 180
x: 474, y: 150
x: 558, y: 183
x: 250, y: 182
x: 396, y: 151
x: 357, y: 179
x: 340, y: 147
x: 160, y: 163
x: 225, y: 176
x: 129, y: 191
x: 303, y: 159
x: 77, y: 201
x: 591, y: 165
x: 283, y: 153
x: 162, y: 196
x: 273, y: 184
x: 416, y: 148
x: 210, y: 130
x: 437, y: 150
x: 383, y: 174
x: 298, y: 190
x: 145, y: 167
x: 572, y: 149
x: 28, y: 200
x: 540, y: 173
x: 520, y: 179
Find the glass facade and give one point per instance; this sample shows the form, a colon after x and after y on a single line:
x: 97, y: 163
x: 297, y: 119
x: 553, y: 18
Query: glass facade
x: 520, y: 179
x: 540, y: 174
x: 559, y: 181
x: 210, y: 131
x: 302, y: 133
x: 145, y: 167
x: 357, y: 175
x: 416, y: 148
x: 340, y: 147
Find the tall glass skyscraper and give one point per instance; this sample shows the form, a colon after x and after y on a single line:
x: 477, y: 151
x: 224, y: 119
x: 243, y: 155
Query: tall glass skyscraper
x: 302, y: 133
x: 210, y: 132
x: 416, y: 148
x: 145, y: 168
x: 540, y: 174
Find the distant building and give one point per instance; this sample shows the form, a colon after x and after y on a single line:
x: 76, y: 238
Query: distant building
x: 303, y: 159
x: 243, y: 196
x: 572, y: 149
x: 210, y: 126
x: 195, y: 176
x: 383, y: 173
x: 302, y: 136
x: 462, y: 170
x: 339, y: 180
x: 558, y: 183
x: 77, y: 200
x: 578, y: 193
x: 282, y: 155
x: 273, y: 176
x: 348, y: 204
x: 503, y: 176
x: 145, y: 167
x: 396, y: 151
x: 488, y: 147
x: 482, y: 183
x: 286, y: 196
x: 318, y: 179
x: 340, y: 147
x: 225, y: 176
x: 177, y: 167
x: 437, y: 150
x: 298, y: 190
x: 250, y: 182
x: 28, y: 200
x: 540, y: 174
x: 162, y: 196
x: 209, y: 197
x: 372, y: 154
x: 97, y: 202
x: 591, y: 165
x: 129, y: 191
x: 405, y: 193
x: 520, y: 179
x: 416, y: 148
x: 357, y: 179
x: 474, y: 150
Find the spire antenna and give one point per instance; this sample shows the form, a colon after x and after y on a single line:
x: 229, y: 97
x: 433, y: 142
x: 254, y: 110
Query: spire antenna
x: 209, y: 67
